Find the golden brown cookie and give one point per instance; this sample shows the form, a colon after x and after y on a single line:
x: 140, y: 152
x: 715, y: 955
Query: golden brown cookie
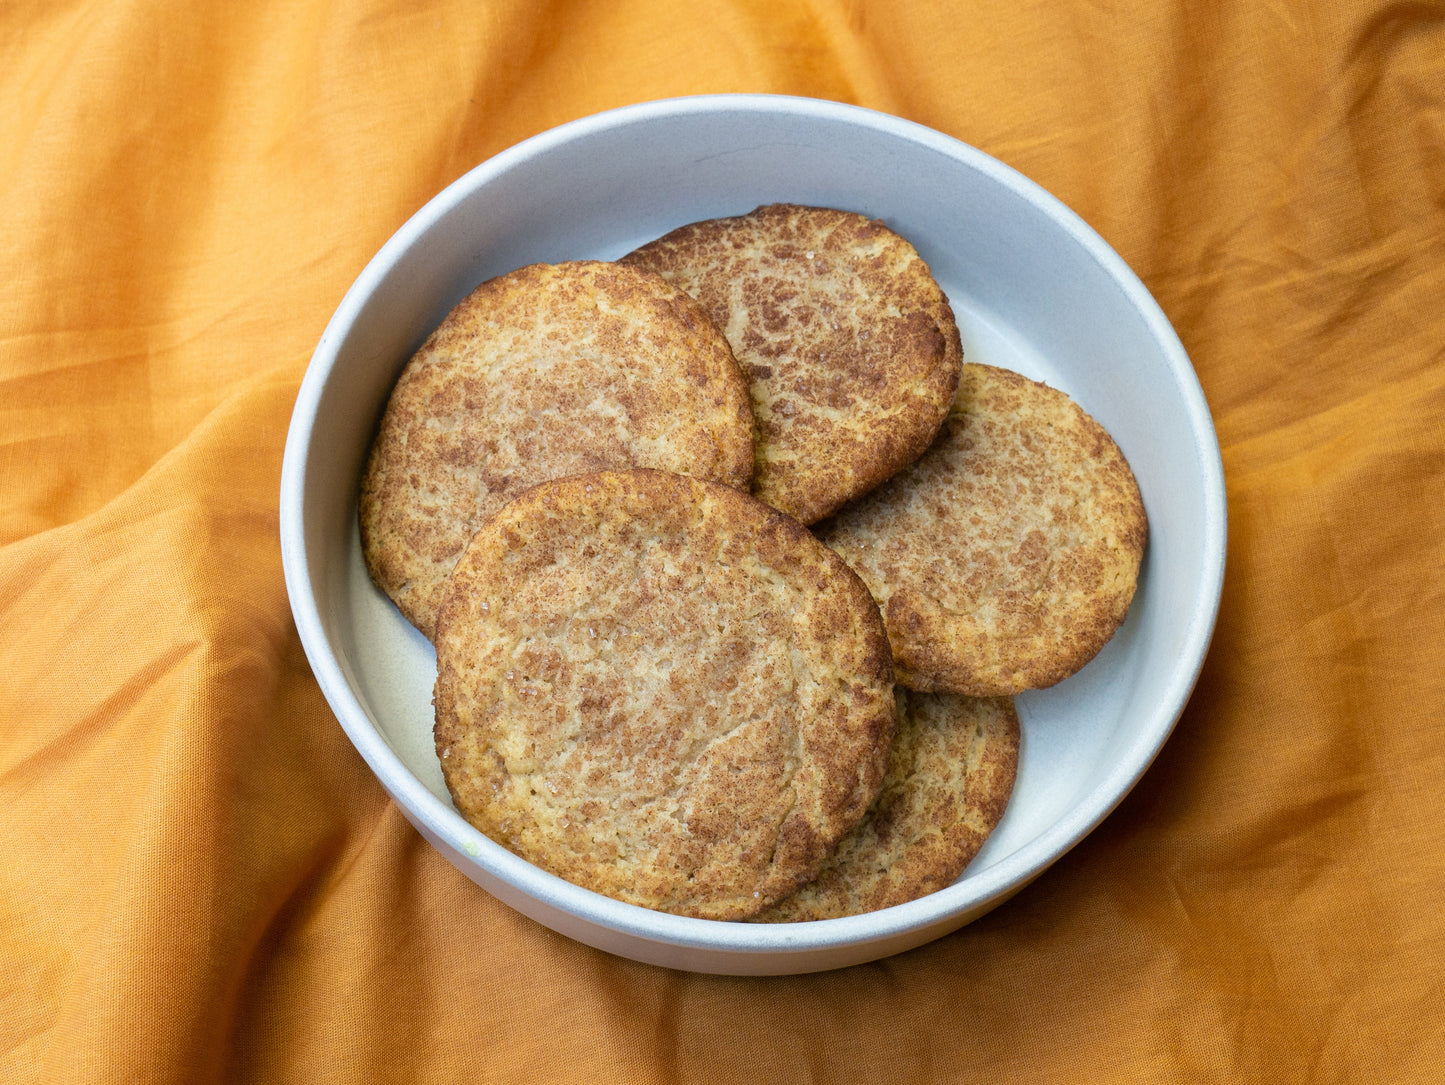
x: 948, y: 781
x: 550, y: 370
x: 1007, y: 556
x: 850, y: 345
x: 662, y: 690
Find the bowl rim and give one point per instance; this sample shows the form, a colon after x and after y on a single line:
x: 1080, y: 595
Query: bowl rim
x: 991, y: 884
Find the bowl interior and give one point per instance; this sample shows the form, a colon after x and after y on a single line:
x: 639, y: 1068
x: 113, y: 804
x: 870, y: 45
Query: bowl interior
x: 1033, y: 289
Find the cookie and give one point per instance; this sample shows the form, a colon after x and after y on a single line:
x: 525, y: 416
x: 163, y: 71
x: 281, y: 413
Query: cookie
x: 1008, y: 555
x: 547, y: 371
x: 948, y: 782
x: 661, y: 689
x: 849, y: 343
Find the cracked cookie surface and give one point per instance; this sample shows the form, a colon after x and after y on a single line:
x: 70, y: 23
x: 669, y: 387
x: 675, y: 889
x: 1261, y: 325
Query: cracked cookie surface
x: 1008, y: 555
x: 550, y: 370
x: 850, y: 346
x: 948, y: 783
x: 661, y: 689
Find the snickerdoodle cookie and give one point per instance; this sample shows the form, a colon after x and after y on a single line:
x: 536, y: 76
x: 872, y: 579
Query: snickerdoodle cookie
x: 551, y: 370
x: 661, y: 689
x: 948, y: 782
x: 1008, y: 555
x: 850, y: 344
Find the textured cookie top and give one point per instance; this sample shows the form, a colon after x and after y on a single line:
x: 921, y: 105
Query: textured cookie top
x: 550, y: 370
x: 949, y: 779
x: 1007, y: 556
x: 850, y: 345
x: 661, y: 689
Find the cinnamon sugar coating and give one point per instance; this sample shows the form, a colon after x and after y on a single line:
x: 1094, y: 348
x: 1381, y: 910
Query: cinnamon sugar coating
x: 661, y: 689
x: 1008, y: 555
x: 550, y: 370
x: 849, y: 344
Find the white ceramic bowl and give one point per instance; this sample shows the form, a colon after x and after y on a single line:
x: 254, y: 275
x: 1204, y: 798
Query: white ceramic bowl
x: 1034, y: 289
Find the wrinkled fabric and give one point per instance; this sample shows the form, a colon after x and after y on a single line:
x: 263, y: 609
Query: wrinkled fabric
x: 203, y: 883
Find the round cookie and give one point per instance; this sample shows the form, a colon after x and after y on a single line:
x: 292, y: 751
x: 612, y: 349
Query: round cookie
x: 850, y: 344
x: 1008, y: 555
x: 949, y: 779
x: 551, y: 370
x: 662, y: 690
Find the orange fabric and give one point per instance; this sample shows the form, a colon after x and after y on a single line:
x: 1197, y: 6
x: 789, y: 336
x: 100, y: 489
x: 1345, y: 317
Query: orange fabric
x: 202, y: 882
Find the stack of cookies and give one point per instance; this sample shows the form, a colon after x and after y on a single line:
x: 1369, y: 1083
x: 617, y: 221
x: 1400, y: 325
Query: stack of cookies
x: 733, y: 565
